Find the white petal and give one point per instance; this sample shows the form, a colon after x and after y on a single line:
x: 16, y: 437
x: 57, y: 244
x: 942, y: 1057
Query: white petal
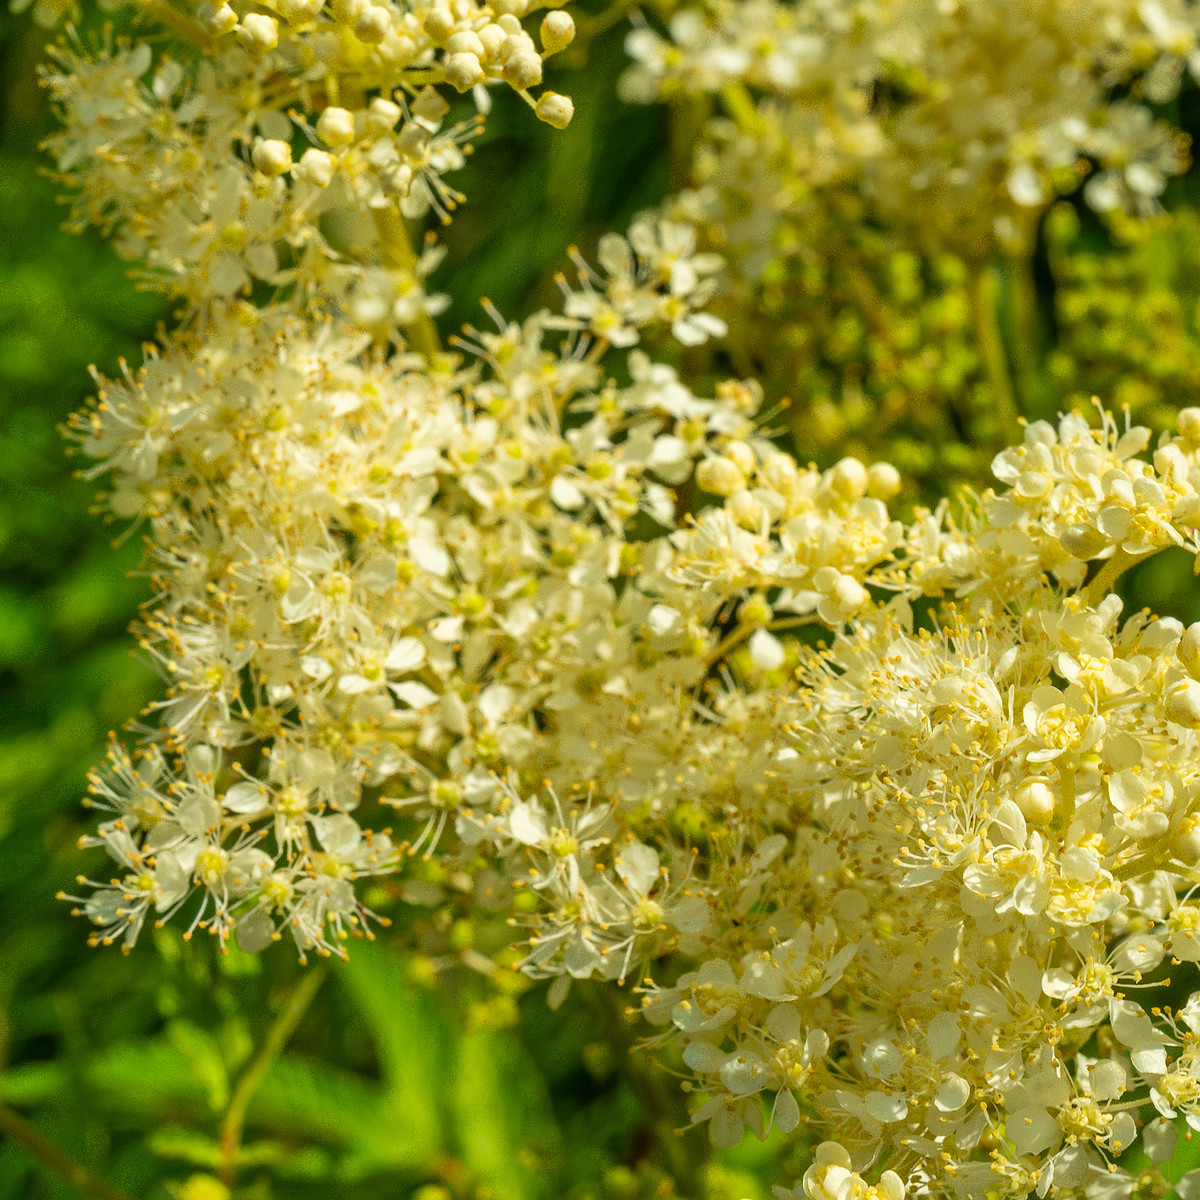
x: 766, y: 651
x: 787, y: 1112
x: 406, y: 655
x: 245, y: 798
x: 637, y: 864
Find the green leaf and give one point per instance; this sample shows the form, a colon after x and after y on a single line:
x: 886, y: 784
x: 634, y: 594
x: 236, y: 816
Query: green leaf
x: 502, y: 1120
x: 147, y: 1078
x: 185, y: 1145
x: 411, y: 1039
x: 313, y: 1100
x: 200, y: 1048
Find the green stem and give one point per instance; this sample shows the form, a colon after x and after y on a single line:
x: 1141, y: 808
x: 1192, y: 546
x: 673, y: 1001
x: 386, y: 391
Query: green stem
x: 1022, y: 307
x: 13, y: 1125
x: 399, y: 256
x: 1112, y: 570
x: 282, y: 1029
x: 984, y: 291
x: 1064, y: 810
x: 739, y: 104
x: 738, y: 634
x: 180, y: 24
x: 685, y: 122
x: 591, y: 27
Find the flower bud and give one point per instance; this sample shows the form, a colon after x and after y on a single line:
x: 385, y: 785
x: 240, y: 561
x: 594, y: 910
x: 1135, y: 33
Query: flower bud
x: 756, y: 610
x: 258, y: 33
x: 373, y: 25
x: 429, y: 107
x: 397, y: 49
x: 522, y: 66
x: 439, y: 23
x: 271, y: 157
x: 847, y: 479
x: 1188, y: 650
x: 779, y: 472
x: 883, y: 481
x: 463, y: 71
x: 511, y: 8
x: 218, y: 19
x: 382, y: 117
x: 555, y: 110
x: 316, y: 167
x: 721, y: 476
x: 847, y: 597
x: 492, y: 37
x: 745, y: 510
x: 299, y: 12
x: 742, y: 455
x: 557, y: 31
x: 347, y: 12
x: 466, y: 41
x: 397, y: 180
x: 1188, y: 424
x: 1082, y: 541
x: 1182, y: 703
x: 1185, y: 841
x: 335, y: 127
x: 1036, y: 801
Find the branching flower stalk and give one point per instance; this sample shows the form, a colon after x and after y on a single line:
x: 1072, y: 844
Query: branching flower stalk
x: 905, y: 880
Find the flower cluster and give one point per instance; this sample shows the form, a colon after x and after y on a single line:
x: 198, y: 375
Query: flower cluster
x: 869, y: 171
x: 962, y: 117
x: 887, y: 817
x: 289, y: 154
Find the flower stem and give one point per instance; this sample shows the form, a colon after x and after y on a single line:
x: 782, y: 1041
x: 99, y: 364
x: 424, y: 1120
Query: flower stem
x: 984, y: 295
x: 13, y: 1125
x: 283, y: 1028
x: 399, y: 256
x: 592, y: 26
x: 180, y: 24
x: 686, y: 119
x: 1108, y: 575
x: 1022, y: 308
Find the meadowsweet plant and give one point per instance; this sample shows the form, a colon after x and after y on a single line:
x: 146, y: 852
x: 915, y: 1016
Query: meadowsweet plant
x: 886, y: 820
x: 872, y: 170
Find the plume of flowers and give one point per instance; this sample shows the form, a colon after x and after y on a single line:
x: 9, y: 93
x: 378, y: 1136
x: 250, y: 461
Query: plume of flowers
x: 887, y: 820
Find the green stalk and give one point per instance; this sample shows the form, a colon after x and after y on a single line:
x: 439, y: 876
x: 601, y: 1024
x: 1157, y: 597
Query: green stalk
x: 399, y: 256
x: 13, y: 1125
x: 1022, y: 309
x: 180, y: 24
x: 284, y: 1026
x: 686, y: 119
x: 984, y: 292
x: 1108, y: 575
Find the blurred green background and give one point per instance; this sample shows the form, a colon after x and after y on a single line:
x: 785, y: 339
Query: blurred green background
x: 408, y: 1075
